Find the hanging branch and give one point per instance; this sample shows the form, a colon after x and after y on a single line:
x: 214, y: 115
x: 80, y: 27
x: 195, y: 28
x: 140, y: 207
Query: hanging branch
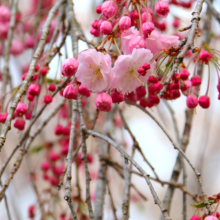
x: 136, y: 144
x: 84, y: 158
x: 25, y: 148
x: 198, y: 175
x: 24, y: 85
x: 69, y: 159
x: 112, y: 202
x: 6, y: 74
x: 140, y: 169
x: 26, y: 134
x: 188, y: 43
x: 213, y: 11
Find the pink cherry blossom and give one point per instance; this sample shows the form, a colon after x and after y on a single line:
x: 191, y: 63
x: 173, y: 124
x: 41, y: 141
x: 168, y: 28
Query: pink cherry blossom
x: 94, y: 72
x: 5, y: 14
x: 103, y: 102
x: 126, y: 77
x: 210, y: 218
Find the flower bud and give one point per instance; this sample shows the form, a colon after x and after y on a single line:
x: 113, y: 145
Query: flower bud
x: 21, y: 109
x: 204, y: 56
x: 34, y: 90
x: 70, y: 92
x: 19, y: 124
x: 109, y: 9
x: 84, y: 91
x: 106, y: 28
x: 3, y: 117
x: 117, y: 97
x: 69, y: 67
x: 124, y: 23
x: 196, y: 81
x: 147, y: 28
x: 191, y: 101
x: 162, y: 9
x: 52, y: 88
x: 103, y: 102
x: 184, y: 74
x: 5, y: 14
x: 204, y: 101
x: 48, y: 99
x: 99, y: 9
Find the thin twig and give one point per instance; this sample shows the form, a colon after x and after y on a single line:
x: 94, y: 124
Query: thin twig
x: 69, y: 159
x: 24, y: 85
x: 198, y: 175
x: 215, y: 13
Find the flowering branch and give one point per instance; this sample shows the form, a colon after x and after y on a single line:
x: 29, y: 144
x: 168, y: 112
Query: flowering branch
x: 23, y: 88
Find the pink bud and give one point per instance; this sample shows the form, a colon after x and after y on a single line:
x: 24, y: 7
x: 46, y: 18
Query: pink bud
x: 147, y: 28
x: 124, y: 23
x: 4, y: 27
x: 70, y: 92
x: 134, y: 15
x: 52, y: 88
x: 48, y: 99
x: 19, y: 124
x: 3, y: 117
x: 117, y: 97
x: 94, y: 32
x: 142, y: 71
x: 58, y: 130
x: 28, y: 115
x: 141, y: 91
x: 96, y: 24
x: 5, y: 14
x: 204, y: 101
x: 30, y: 98
x: 103, y: 102
x: 205, y: 56
x: 54, y: 156
x: 84, y: 91
x: 99, y: 9
x: 16, y: 48
x: 162, y: 9
x: 45, y: 166
x: 43, y: 72
x: 195, y: 217
x: 106, y: 28
x: 176, y: 23
x: 146, y: 66
x: 109, y: 9
x: 184, y: 74
x: 69, y: 67
x: 196, y: 81
x: 152, y: 79
x: 29, y: 43
x: 191, y: 101
x: 54, y: 181
x: 144, y: 17
x: 34, y: 90
x: 21, y: 109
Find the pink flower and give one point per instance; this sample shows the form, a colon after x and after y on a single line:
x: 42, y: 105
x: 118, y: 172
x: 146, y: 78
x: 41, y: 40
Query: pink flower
x: 109, y: 9
x: 103, y: 102
x: 69, y: 67
x: 124, y: 23
x: 210, y: 218
x: 94, y: 72
x: 5, y: 14
x: 52, y: 88
x: 162, y: 8
x: 156, y: 42
x: 21, y: 109
x: 117, y: 97
x: 126, y: 76
x: 19, y: 124
x: 205, y: 56
x: 16, y: 47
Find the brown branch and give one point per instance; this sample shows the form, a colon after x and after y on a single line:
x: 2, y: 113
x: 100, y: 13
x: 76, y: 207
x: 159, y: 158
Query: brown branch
x: 26, y: 134
x: 25, y: 148
x: 24, y: 85
x: 112, y: 202
x: 6, y: 55
x: 84, y: 158
x: 140, y: 169
x: 198, y: 175
x: 214, y: 12
x: 69, y: 159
